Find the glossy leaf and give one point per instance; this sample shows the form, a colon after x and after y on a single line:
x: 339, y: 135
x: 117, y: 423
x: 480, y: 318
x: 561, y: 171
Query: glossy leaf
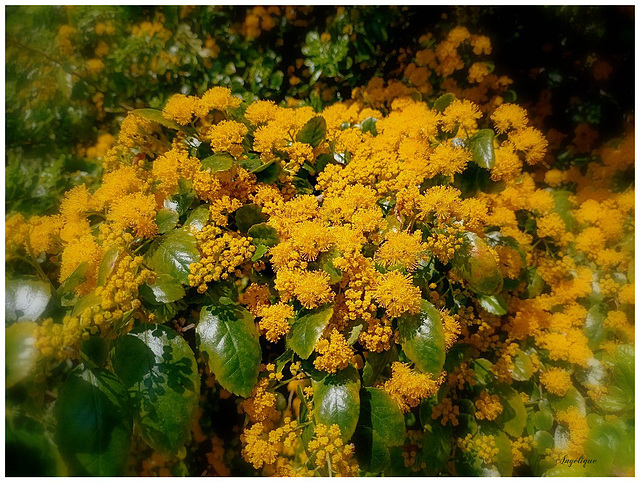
x: 261, y: 250
x: 442, y: 102
x: 249, y: 215
x: 218, y: 162
x: 164, y: 290
x: 307, y: 329
x: 513, y: 418
x: 156, y: 116
x: 422, y: 338
x: 380, y: 413
x: 594, y: 325
x: 77, y: 277
x: 372, y: 452
x: 481, y: 147
x: 25, y: 299
x: 494, y: 304
x: 173, y: 253
x: 20, y: 354
x: 336, y: 400
x: 166, y: 220
x: 263, y: 234
x: 522, y: 366
x: 93, y: 424
x: 313, y: 132
x: 229, y: 340
x: 197, y: 218
x: 436, y: 447
x: 159, y: 370
x: 108, y: 263
x: 476, y: 264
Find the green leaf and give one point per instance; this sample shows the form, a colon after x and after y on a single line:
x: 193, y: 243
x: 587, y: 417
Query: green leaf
x: 263, y: 234
x: 29, y: 447
x: 376, y: 363
x: 336, y: 400
x: 481, y: 146
x: 369, y: 125
x: 494, y: 304
x: 20, y: 354
x: 159, y: 370
x: 275, y: 80
x: 166, y: 289
x: 522, y: 366
x: 306, y: 330
x: 372, y: 453
x: 77, y: 277
x: 564, y: 208
x: 249, y: 215
x: 93, y: 424
x: 513, y: 418
x: 106, y: 266
x: 571, y: 398
x: 380, y: 413
x: 313, y: 132
x: 229, y: 340
x: 156, y: 116
x: 173, y: 253
x: 197, y: 219
x: 268, y: 173
x: 475, y: 263
x: 86, y: 302
x: 610, y: 446
x: 166, y: 219
x: 259, y: 253
x: 26, y: 299
x: 422, y: 338
x: 436, y: 447
x: 252, y: 163
x: 593, y: 327
x: 325, y: 262
x: 442, y: 102
x: 543, y: 420
x: 620, y: 395
x: 96, y: 349
x: 218, y: 162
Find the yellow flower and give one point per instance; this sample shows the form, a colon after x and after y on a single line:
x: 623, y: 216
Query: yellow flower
x: 401, y: 250
x: 509, y: 116
x: 135, y: 211
x: 531, y: 142
x: 274, y: 320
x: 461, y: 113
x: 180, y: 108
x: 95, y: 65
x: 407, y: 388
x: 397, y: 294
x: 488, y: 406
x: 557, y: 381
x: 578, y: 427
x: 447, y: 411
x: 227, y: 136
x: 334, y: 353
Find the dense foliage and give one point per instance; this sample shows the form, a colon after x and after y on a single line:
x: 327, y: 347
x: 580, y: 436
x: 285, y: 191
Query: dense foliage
x: 412, y: 281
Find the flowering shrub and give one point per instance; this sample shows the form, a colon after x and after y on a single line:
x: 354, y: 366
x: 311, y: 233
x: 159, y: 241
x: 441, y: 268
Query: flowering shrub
x: 400, y: 284
x: 392, y: 280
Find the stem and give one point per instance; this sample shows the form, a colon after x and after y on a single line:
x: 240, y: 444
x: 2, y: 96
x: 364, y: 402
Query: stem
x: 37, y: 266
